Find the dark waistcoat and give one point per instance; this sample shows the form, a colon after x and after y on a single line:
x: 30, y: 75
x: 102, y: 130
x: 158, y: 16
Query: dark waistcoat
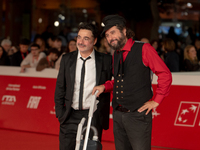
x: 132, y: 84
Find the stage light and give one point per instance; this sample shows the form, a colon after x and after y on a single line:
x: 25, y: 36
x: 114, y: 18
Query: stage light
x: 56, y: 23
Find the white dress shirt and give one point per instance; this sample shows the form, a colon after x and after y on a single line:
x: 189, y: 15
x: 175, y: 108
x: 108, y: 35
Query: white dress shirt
x: 89, y: 81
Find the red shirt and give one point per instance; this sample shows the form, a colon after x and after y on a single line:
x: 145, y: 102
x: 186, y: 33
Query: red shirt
x: 150, y: 59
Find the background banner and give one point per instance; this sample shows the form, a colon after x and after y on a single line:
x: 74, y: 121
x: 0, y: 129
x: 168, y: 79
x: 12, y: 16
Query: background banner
x: 27, y: 104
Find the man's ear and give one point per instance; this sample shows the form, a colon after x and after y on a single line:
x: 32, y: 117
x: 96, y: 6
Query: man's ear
x: 124, y: 31
x: 95, y: 41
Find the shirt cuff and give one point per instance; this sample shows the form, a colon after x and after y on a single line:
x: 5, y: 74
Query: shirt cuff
x: 158, y: 98
x: 108, y: 86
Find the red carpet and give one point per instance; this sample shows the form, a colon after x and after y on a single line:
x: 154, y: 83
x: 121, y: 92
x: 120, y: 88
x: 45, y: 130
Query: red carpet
x: 18, y: 140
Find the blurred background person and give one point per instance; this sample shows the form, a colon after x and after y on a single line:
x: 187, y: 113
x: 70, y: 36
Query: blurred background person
x: 154, y: 43
x: 22, y: 53
x: 41, y: 42
x: 191, y: 62
x: 197, y: 45
x: 71, y: 46
x: 145, y: 40
x: 171, y: 58
x: 57, y: 43
x: 190, y: 39
x: 104, y: 47
x: 49, y: 61
x: 4, y: 60
x: 172, y: 35
x: 32, y: 59
x: 7, y: 44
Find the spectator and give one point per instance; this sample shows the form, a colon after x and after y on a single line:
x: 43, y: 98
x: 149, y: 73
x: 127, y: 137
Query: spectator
x: 172, y: 35
x: 50, y: 41
x: 71, y: 46
x: 197, y: 45
x: 4, y: 60
x: 190, y: 59
x: 105, y: 48
x: 171, y: 58
x: 21, y: 54
x: 57, y: 43
x: 7, y: 44
x: 33, y: 58
x: 190, y: 39
x: 145, y: 40
x: 47, y: 33
x: 154, y: 43
x: 48, y: 62
x: 41, y: 42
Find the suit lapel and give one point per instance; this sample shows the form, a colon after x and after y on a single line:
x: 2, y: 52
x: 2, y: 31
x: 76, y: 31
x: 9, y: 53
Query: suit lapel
x: 98, y: 61
x: 73, y: 61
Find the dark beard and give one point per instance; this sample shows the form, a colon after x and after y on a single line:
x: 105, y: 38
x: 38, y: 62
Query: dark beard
x: 120, y: 43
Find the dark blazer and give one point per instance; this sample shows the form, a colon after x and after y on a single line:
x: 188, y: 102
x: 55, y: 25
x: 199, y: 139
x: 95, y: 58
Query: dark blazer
x: 65, y: 86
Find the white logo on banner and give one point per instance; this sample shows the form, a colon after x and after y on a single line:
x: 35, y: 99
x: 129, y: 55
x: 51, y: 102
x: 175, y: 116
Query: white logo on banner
x: 187, y: 114
x: 8, y: 100
x: 39, y: 87
x: 155, y: 113
x: 13, y: 87
x: 33, y: 102
x: 52, y: 112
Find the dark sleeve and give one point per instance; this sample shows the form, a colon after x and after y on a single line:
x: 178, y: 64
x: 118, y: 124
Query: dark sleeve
x: 42, y: 64
x: 60, y: 90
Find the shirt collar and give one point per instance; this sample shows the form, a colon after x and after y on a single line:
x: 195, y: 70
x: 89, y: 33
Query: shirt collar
x: 92, y: 55
x: 128, y: 45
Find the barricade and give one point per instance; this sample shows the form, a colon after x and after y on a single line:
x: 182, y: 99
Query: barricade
x: 27, y: 104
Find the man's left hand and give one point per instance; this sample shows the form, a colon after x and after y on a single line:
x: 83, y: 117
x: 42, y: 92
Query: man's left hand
x: 148, y: 106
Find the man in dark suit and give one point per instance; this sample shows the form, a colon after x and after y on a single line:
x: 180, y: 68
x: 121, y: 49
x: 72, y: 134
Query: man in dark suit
x: 71, y: 102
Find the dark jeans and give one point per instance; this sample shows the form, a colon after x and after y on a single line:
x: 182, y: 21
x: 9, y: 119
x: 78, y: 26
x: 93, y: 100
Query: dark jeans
x: 68, y: 129
x: 132, y: 130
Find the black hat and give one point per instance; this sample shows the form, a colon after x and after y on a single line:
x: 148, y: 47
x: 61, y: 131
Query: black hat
x: 110, y: 21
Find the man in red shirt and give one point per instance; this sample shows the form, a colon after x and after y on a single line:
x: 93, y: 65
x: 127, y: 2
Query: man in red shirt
x: 133, y: 64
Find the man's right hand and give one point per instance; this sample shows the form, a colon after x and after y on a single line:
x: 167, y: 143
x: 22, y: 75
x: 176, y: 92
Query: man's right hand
x: 100, y: 88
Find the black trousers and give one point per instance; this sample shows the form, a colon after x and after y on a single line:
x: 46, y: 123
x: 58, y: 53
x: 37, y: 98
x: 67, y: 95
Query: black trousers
x: 132, y: 130
x: 68, y: 130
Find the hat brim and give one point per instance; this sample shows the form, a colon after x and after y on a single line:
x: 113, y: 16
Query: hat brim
x: 105, y: 29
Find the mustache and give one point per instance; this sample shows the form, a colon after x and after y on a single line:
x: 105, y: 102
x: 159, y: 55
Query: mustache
x: 113, y: 40
x: 81, y: 45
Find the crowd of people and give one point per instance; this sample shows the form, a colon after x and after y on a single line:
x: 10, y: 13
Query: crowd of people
x: 178, y: 55
x: 40, y: 54
x: 46, y: 51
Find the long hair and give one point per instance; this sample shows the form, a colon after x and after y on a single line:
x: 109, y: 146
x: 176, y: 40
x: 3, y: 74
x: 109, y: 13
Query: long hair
x: 169, y: 45
x: 186, y: 56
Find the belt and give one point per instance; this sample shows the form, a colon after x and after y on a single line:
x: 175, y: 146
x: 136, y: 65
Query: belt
x: 122, y: 109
